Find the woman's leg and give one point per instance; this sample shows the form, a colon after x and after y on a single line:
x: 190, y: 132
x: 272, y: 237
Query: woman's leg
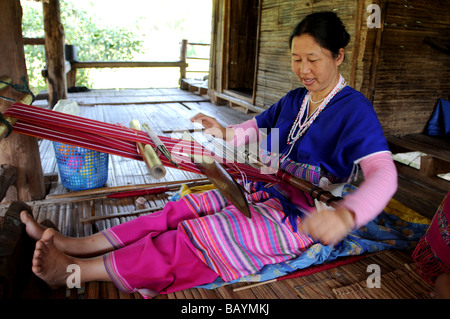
x: 126, y: 233
x: 151, y: 266
x: 88, y: 246
x: 51, y: 265
x: 160, y: 259
x: 158, y: 265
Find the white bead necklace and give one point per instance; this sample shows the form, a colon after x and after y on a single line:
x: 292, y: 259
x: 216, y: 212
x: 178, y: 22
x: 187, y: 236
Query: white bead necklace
x: 311, y: 100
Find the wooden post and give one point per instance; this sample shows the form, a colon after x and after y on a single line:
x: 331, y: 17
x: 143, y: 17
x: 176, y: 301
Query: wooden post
x: 18, y: 150
x: 7, y: 178
x: 54, y: 48
x: 183, y: 54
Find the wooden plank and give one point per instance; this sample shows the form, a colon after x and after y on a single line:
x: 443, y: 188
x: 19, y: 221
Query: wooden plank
x: 431, y: 166
x: 433, y: 146
x: 418, y: 195
x: 240, y: 102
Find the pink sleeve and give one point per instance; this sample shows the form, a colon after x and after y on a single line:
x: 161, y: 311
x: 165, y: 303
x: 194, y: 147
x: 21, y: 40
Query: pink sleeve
x: 379, y: 185
x: 245, y: 133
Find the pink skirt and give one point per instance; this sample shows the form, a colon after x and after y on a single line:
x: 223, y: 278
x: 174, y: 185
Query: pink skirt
x: 198, y: 238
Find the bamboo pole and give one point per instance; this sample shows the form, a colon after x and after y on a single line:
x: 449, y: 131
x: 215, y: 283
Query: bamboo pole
x: 154, y: 164
x: 136, y: 212
x: 108, y: 190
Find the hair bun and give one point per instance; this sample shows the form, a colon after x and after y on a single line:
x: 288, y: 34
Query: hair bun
x: 326, y: 28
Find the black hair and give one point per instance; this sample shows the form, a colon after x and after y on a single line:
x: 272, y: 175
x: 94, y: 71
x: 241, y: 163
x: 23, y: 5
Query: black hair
x: 326, y: 28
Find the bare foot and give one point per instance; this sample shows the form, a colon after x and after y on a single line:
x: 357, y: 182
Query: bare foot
x: 49, y: 263
x: 34, y: 230
x: 89, y: 246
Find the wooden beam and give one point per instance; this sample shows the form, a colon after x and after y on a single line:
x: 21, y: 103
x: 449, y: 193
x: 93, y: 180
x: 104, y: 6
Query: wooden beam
x: 431, y: 166
x: 33, y: 41
x: 376, y: 53
x: 437, y: 147
x: 8, y: 177
x: 18, y: 150
x: 54, y: 48
x: 233, y: 100
x: 436, y: 184
x: 357, y: 41
x: 126, y: 64
x: 183, y: 54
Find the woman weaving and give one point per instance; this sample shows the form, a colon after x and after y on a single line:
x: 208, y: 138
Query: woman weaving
x: 326, y: 129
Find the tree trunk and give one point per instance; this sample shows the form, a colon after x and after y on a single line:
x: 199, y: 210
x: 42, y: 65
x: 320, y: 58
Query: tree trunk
x: 18, y: 150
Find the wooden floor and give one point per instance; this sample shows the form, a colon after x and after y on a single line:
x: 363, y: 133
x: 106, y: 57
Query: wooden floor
x: 168, y: 109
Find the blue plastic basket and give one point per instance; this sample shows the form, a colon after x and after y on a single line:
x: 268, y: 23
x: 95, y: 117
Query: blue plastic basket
x: 81, y: 168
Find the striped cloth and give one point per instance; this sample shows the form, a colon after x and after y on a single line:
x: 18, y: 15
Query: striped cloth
x: 234, y: 245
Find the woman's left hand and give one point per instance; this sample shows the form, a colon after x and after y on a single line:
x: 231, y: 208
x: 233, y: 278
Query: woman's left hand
x: 328, y: 226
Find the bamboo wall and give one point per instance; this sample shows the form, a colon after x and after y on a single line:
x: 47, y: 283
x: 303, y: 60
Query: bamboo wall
x: 410, y: 75
x: 391, y: 65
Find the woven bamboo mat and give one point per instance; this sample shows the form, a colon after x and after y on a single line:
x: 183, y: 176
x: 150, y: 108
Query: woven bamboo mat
x: 401, y: 283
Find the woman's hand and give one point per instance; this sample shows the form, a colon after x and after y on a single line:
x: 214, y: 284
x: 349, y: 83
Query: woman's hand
x: 213, y: 127
x: 328, y: 226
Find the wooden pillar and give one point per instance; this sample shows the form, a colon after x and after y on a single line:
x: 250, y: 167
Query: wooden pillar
x: 54, y: 48
x: 183, y: 53
x: 18, y: 150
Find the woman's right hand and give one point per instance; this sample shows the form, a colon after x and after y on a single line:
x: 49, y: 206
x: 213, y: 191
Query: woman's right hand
x: 211, y: 125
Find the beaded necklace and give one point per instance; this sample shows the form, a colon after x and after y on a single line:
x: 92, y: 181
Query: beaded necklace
x: 298, y: 128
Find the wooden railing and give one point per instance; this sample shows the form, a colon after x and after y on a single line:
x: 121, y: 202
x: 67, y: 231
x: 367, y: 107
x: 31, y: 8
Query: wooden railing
x: 198, y: 58
x: 181, y: 64
x: 73, y: 66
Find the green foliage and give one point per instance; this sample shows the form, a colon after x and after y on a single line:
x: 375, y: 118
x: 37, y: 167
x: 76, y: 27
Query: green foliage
x: 94, y: 42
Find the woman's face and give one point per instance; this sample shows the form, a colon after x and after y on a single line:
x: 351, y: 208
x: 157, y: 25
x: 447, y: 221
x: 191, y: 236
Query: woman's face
x: 314, y: 65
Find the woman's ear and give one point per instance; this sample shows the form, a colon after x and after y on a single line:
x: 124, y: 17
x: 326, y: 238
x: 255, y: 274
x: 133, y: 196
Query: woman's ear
x: 340, y: 57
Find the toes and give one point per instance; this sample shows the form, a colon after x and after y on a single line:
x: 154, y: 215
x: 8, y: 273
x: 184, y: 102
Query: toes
x: 40, y: 250
x: 24, y: 217
x: 48, y: 236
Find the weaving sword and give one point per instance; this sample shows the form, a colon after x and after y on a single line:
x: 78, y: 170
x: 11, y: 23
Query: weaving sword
x: 223, y: 181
